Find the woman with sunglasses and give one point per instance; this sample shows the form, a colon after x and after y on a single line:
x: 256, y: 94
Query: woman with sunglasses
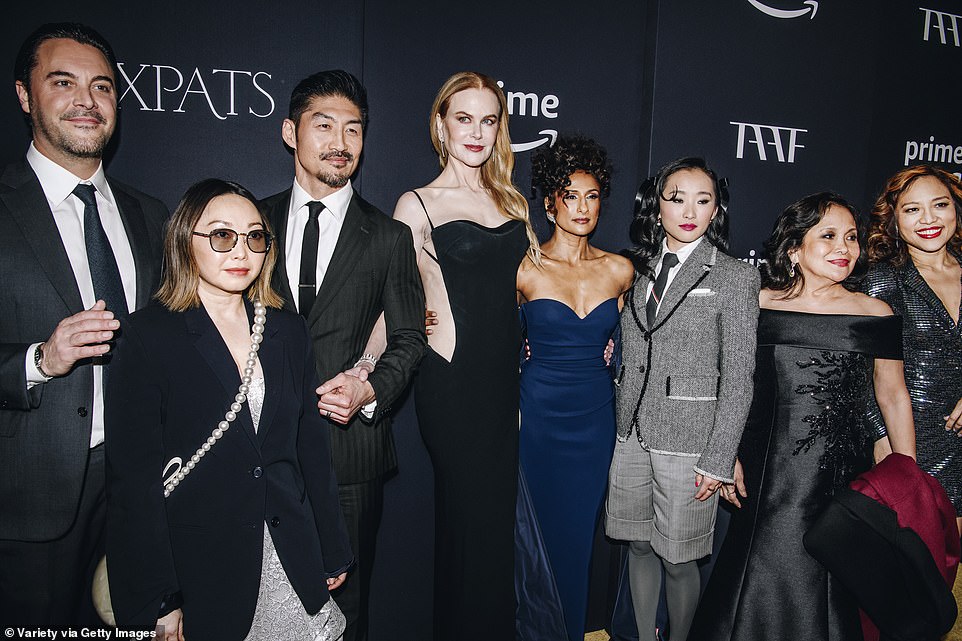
x: 215, y: 529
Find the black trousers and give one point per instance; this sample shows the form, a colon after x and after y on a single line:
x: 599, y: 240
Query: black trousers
x: 362, y: 504
x: 49, y: 583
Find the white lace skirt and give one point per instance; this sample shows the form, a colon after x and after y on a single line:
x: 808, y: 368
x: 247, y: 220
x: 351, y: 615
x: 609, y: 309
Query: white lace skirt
x: 280, y: 613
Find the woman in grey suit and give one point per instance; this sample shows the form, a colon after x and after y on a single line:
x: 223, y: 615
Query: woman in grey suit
x: 688, y: 356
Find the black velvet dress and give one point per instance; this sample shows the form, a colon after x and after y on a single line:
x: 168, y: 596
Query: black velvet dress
x: 806, y: 435
x: 468, y: 414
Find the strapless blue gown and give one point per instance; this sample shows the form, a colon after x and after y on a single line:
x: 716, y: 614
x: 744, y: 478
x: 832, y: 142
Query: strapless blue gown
x: 567, y: 438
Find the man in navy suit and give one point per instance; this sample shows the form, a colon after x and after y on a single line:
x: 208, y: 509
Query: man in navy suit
x: 78, y: 251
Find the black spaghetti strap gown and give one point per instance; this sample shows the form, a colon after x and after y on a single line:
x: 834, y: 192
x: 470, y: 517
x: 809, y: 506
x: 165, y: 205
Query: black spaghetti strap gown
x: 468, y: 414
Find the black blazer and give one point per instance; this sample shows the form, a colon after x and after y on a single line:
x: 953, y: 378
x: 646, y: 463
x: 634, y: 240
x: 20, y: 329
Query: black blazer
x: 45, y: 433
x: 373, y: 269
x: 170, y: 384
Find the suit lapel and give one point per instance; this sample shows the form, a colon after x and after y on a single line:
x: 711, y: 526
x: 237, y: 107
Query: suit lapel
x: 28, y: 206
x: 132, y: 216
x: 638, y: 298
x: 701, y: 260
x: 213, y: 350
x: 272, y: 357
x: 278, y: 217
x: 353, y: 239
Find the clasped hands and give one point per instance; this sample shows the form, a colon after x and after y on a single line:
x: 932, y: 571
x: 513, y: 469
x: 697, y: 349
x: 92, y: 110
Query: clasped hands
x: 341, y: 397
x: 728, y: 491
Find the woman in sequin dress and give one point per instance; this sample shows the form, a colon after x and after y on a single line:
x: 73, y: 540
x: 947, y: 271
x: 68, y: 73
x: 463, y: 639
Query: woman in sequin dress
x: 818, y: 345
x: 240, y: 540
x: 915, y: 247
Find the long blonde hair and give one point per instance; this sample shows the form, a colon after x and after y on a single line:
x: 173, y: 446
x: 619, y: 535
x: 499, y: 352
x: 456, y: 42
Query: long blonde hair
x: 496, y: 171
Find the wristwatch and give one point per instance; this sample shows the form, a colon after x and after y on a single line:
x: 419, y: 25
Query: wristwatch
x: 37, y: 358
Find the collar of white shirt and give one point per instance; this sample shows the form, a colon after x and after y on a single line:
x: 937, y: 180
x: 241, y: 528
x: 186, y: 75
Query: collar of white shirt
x: 58, y: 183
x: 682, y: 253
x: 336, y: 202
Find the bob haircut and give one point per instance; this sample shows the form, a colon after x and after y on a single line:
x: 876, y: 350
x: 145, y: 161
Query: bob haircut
x: 496, y: 171
x: 787, y: 234
x: 884, y: 243
x: 646, y: 232
x: 180, y: 278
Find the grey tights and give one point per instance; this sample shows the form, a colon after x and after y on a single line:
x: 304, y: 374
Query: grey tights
x: 682, y: 585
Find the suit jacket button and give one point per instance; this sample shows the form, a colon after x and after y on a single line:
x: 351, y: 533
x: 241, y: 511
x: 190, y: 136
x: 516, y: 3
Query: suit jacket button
x: 257, y: 472
x: 275, y: 522
x: 641, y: 369
x: 82, y: 411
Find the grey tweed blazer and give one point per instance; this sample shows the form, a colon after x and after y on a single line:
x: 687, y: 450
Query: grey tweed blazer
x: 686, y: 384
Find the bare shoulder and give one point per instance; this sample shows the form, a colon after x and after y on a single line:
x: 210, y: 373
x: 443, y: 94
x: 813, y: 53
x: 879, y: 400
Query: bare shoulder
x: 409, y: 210
x: 621, y: 269
x: 869, y: 306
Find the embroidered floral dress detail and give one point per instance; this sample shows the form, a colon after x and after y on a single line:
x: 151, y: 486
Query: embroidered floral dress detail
x: 840, y: 391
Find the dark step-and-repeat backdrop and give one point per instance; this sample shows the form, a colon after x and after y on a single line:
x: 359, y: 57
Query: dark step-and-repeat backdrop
x: 783, y: 97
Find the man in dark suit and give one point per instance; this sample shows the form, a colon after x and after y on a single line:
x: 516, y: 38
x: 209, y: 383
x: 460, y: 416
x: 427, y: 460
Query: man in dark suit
x: 343, y: 264
x: 77, y: 252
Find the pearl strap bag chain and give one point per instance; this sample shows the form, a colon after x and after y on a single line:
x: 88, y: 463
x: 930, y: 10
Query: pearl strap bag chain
x: 175, y: 471
x: 175, y: 466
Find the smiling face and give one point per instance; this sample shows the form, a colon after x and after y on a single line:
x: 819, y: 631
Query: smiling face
x: 829, y: 249
x: 576, y: 207
x: 687, y: 207
x: 469, y: 129
x: 327, y: 142
x: 72, y: 101
x: 926, y: 216
x: 232, y: 272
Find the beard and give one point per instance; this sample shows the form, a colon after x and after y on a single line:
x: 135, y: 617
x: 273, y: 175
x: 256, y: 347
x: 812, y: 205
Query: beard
x: 332, y: 179
x: 70, y: 143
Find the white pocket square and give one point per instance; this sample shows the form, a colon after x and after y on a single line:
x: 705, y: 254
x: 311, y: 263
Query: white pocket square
x: 702, y: 291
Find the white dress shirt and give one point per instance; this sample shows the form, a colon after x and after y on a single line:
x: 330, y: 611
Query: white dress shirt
x: 68, y: 212
x: 329, y: 223
x: 682, y: 254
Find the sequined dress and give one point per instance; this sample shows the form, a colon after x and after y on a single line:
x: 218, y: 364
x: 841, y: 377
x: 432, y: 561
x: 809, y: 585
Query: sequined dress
x: 279, y: 613
x: 932, y: 342
x: 806, y: 435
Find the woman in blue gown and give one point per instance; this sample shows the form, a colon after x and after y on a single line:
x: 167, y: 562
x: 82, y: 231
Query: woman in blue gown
x: 569, y: 306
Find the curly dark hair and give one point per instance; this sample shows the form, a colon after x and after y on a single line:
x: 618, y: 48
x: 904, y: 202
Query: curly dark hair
x: 645, y: 231
x: 551, y: 167
x: 787, y: 234
x: 884, y: 243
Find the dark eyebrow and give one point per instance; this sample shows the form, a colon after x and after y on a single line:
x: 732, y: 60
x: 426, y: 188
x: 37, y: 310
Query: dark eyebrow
x: 72, y: 76
x: 321, y: 114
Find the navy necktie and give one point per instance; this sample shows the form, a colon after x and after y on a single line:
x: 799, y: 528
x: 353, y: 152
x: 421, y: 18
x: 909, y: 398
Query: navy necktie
x: 307, y: 284
x: 668, y: 261
x: 104, y: 272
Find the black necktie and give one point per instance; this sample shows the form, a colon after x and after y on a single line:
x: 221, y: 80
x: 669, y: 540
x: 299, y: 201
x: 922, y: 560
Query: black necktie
x: 651, y: 307
x: 307, y: 285
x: 100, y: 257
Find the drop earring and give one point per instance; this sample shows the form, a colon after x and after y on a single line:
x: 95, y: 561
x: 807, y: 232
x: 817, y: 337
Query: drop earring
x: 441, y: 142
x: 791, y: 272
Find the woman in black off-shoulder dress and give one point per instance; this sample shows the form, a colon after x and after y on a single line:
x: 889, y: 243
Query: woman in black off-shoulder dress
x: 818, y: 344
x: 915, y: 246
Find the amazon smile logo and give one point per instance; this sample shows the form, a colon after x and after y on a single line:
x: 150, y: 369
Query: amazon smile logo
x: 786, y: 13
x: 522, y: 103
